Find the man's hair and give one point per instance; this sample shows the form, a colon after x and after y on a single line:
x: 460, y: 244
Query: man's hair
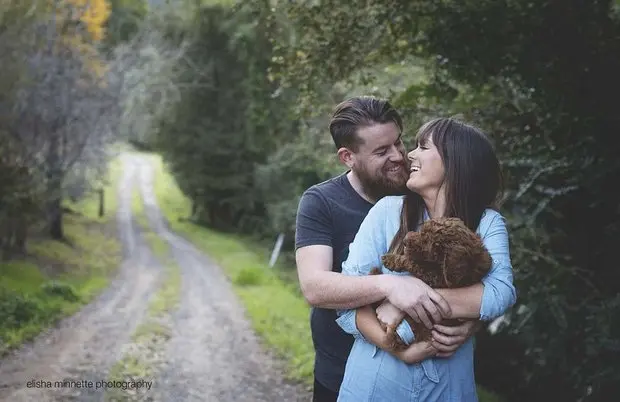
x: 358, y: 112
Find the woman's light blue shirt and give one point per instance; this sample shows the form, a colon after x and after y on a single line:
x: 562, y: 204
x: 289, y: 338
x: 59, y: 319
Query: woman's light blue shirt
x: 374, y: 375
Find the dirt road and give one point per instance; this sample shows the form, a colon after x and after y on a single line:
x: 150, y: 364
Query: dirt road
x: 212, y: 354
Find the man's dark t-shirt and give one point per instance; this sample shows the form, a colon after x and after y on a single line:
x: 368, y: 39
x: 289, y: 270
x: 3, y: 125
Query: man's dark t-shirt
x: 330, y: 214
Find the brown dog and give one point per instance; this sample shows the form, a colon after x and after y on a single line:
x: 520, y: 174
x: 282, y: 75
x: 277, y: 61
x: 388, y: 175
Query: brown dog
x: 444, y: 253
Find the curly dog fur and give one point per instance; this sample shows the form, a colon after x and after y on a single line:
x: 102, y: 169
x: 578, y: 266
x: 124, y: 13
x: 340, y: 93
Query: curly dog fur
x: 444, y: 253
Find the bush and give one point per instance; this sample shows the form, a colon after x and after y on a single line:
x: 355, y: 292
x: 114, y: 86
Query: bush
x: 16, y: 310
x: 60, y: 289
x: 249, y: 277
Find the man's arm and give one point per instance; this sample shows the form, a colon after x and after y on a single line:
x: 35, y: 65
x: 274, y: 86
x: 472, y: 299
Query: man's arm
x: 323, y: 288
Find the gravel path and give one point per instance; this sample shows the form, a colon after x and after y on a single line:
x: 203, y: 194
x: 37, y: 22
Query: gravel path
x: 85, y: 345
x: 212, y: 355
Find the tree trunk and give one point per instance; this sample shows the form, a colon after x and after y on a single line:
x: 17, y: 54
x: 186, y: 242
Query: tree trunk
x: 55, y: 179
x: 5, y: 240
x: 101, y: 202
x: 21, y: 234
x: 212, y: 215
x: 194, y: 210
x: 55, y: 219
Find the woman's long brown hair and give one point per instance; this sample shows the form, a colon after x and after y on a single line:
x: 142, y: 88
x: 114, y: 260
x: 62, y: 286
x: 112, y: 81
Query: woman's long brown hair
x: 473, y: 178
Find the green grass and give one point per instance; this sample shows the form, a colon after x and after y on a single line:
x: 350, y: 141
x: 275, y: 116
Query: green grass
x: 285, y: 329
x: 131, y: 368
x: 57, y: 278
x: 168, y: 297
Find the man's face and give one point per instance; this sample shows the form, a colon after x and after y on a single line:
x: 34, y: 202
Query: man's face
x: 380, y: 162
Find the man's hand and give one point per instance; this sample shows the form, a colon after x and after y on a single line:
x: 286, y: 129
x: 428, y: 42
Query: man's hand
x: 389, y: 314
x: 417, y: 299
x: 448, y: 339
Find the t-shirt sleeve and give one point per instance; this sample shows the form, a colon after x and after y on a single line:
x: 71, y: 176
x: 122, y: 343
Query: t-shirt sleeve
x: 313, y: 224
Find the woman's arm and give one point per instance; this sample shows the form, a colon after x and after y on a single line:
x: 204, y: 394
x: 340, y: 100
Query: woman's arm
x: 483, y: 301
x: 416, y: 353
x: 371, y: 329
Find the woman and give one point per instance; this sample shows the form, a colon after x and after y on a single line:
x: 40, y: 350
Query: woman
x: 454, y: 172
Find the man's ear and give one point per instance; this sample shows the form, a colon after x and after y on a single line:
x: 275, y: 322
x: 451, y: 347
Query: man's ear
x: 346, y: 157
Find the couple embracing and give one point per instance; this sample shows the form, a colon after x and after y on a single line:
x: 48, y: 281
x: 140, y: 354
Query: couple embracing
x: 344, y: 226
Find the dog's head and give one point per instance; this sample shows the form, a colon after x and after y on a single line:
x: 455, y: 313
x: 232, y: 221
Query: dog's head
x: 448, y: 244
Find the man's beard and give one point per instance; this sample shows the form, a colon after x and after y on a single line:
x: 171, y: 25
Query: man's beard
x: 382, y: 184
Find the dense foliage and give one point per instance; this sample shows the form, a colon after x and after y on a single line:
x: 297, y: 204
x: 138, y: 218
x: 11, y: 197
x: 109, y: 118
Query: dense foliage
x: 237, y: 96
x: 540, y: 76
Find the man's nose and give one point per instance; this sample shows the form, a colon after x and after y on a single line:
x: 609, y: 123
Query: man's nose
x: 396, y: 155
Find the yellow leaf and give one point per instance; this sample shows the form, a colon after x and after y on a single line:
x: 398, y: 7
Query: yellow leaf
x: 93, y: 14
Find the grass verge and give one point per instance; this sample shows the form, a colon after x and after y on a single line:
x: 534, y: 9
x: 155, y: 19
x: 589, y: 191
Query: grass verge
x: 143, y: 355
x: 57, y: 278
x: 285, y: 329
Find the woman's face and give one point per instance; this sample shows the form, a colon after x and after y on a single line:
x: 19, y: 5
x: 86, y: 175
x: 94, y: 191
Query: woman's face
x: 427, y: 171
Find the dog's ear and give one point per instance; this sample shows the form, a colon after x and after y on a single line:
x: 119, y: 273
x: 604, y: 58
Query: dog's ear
x: 411, y: 236
x: 468, y: 263
x: 481, y: 261
x: 456, y: 267
x: 412, y: 243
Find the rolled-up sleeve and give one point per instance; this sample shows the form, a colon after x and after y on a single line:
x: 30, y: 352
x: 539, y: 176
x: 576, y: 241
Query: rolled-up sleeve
x: 499, y: 292
x: 365, y: 254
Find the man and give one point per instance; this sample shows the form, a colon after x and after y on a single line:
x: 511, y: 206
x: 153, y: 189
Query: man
x: 367, y: 134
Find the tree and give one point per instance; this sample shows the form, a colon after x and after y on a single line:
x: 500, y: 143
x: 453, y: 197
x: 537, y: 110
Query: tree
x: 125, y: 19
x: 228, y: 119
x: 62, y: 110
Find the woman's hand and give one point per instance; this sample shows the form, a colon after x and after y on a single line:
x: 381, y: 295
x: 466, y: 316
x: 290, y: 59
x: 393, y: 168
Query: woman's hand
x: 417, y: 352
x: 389, y: 314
